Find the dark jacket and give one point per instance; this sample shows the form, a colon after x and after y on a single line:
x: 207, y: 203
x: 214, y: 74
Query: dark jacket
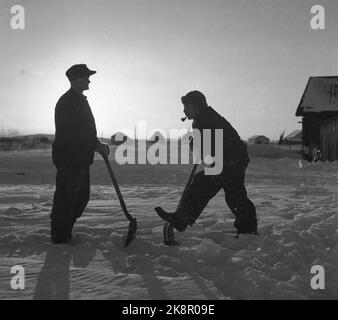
x: 75, y: 132
x: 235, y: 152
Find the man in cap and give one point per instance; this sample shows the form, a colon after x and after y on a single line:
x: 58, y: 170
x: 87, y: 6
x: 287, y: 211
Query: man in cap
x: 231, y: 179
x: 73, y: 153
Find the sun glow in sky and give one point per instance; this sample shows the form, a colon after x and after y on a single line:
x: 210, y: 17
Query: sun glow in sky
x: 251, y: 59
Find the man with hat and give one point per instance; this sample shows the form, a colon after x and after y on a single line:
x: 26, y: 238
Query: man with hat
x: 231, y: 179
x: 73, y: 153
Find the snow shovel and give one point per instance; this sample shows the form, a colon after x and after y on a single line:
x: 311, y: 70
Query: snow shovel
x: 132, y: 224
x: 168, y: 229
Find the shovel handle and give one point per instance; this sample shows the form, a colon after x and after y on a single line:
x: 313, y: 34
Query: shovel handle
x: 116, y: 186
x: 187, y: 185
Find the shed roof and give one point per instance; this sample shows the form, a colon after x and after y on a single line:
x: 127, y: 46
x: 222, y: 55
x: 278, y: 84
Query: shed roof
x: 118, y: 133
x: 320, y: 94
x: 297, y: 134
x: 258, y: 136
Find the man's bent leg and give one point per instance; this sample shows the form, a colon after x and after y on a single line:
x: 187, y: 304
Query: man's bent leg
x: 202, y: 190
x: 194, y: 200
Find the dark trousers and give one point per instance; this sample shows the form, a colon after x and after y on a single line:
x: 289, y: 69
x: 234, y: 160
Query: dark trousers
x: 205, y: 187
x: 71, y: 197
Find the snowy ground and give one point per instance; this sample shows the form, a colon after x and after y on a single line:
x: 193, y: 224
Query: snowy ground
x: 296, y: 203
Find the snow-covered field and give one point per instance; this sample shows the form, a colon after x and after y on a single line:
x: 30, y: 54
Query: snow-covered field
x: 296, y: 203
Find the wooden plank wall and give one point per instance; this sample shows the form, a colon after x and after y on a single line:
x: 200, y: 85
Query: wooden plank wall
x: 329, y: 140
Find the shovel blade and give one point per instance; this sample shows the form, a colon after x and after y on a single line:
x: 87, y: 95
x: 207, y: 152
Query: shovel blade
x: 168, y: 235
x: 131, y: 232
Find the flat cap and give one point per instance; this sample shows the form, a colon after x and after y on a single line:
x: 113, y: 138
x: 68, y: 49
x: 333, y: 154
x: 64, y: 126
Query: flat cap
x: 78, y: 71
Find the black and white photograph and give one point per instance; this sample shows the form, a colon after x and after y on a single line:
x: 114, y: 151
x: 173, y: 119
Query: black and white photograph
x: 182, y: 151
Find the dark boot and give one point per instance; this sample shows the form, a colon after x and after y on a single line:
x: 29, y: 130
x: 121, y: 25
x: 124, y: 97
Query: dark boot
x: 246, y: 226
x: 173, y: 218
x: 246, y: 220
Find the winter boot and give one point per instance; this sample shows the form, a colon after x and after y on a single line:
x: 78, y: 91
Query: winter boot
x: 246, y: 220
x: 246, y: 226
x: 174, y: 218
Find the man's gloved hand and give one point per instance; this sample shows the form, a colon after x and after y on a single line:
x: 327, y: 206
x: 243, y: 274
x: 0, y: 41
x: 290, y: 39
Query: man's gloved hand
x: 103, y: 149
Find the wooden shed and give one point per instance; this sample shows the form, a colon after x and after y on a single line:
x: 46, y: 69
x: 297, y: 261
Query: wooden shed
x: 319, y: 108
x: 329, y: 140
x: 294, y: 137
x: 258, y: 139
x: 118, y: 138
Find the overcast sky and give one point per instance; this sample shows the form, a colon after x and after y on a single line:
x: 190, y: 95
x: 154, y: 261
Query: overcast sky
x: 251, y: 58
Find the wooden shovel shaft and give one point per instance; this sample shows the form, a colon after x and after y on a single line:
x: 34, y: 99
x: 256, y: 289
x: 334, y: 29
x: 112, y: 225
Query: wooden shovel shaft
x: 119, y: 195
x: 187, y: 185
